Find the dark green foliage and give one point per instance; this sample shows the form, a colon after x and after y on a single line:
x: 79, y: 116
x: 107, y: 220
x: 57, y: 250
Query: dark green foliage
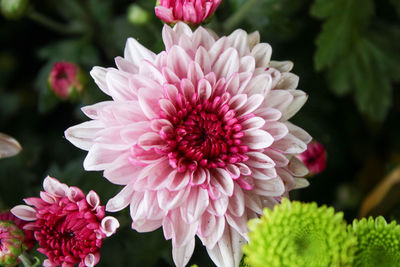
x: 357, y: 54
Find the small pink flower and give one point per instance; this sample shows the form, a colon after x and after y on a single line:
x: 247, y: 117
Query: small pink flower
x: 198, y: 135
x: 314, y: 157
x: 189, y: 11
x: 29, y: 239
x: 68, y: 225
x: 64, y: 79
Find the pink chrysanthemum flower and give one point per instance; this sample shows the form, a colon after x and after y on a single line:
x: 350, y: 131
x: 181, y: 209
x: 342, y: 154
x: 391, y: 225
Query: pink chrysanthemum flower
x: 29, y: 240
x: 189, y: 11
x: 68, y: 225
x: 314, y: 157
x: 199, y: 136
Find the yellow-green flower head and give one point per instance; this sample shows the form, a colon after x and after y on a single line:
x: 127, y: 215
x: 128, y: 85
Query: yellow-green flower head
x: 298, y: 234
x: 378, y: 242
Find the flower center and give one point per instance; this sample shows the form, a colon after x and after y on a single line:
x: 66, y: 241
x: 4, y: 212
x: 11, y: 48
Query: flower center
x: 206, y: 134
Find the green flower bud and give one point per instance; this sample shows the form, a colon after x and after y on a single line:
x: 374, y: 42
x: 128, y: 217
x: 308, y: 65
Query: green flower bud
x: 138, y: 15
x: 13, y: 9
x: 11, y: 243
x: 298, y: 234
x: 378, y: 242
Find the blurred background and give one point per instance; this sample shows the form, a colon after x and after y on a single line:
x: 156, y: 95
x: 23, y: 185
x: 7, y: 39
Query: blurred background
x: 346, y: 52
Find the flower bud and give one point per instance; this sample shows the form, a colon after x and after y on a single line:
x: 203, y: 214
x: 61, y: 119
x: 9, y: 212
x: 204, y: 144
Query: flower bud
x: 11, y: 243
x: 138, y: 15
x: 314, y: 157
x: 193, y: 12
x: 13, y: 9
x: 66, y: 80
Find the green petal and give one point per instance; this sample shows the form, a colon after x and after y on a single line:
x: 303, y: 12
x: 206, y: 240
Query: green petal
x: 378, y: 242
x: 299, y: 234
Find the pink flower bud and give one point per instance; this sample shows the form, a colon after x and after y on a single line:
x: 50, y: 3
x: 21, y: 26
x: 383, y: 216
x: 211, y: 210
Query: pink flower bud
x: 314, y: 157
x: 11, y: 243
x: 65, y: 80
x: 189, y: 11
x: 29, y: 239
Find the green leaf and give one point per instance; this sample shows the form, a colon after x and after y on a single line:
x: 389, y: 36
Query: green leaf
x: 396, y: 4
x: 345, y: 19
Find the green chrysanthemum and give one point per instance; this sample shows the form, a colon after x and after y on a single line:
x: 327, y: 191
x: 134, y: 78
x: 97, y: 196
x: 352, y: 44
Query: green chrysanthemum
x: 298, y: 234
x: 378, y: 242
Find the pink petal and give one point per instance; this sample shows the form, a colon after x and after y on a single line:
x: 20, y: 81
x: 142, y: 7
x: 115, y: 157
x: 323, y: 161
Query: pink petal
x: 92, y: 259
x: 121, y: 200
x: 202, y: 58
x: 253, y: 102
x: 24, y: 212
x: 178, y: 60
x: 298, y: 101
x: 99, y: 158
x: 227, y: 63
x: 118, y: 85
x: 221, y: 179
x: 169, y: 200
x: 288, y: 81
x: 211, y: 229
x: 109, y: 225
x: 148, y: 101
x: 195, y: 205
x: 93, y: 199
x: 276, y: 129
x: 227, y: 252
x: 262, y: 54
x: 83, y: 135
x: 135, y: 52
x: 54, y: 187
x: 182, y: 233
x: 282, y: 66
x: 257, y: 139
x: 122, y: 172
x: 260, y: 84
x: 238, y: 40
x: 99, y: 76
x: 236, y: 202
x: 182, y: 254
x: 125, y: 65
x: 297, y: 168
x: 273, y: 187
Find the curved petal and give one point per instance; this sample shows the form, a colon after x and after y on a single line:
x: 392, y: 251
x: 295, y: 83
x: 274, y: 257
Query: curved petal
x: 24, y: 212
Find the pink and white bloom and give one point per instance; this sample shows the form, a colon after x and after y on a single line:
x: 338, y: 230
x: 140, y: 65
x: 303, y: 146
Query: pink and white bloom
x: 189, y: 11
x: 68, y: 225
x: 198, y: 135
x: 314, y: 157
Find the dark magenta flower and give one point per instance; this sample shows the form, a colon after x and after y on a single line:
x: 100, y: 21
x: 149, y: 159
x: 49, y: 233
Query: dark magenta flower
x: 68, y: 225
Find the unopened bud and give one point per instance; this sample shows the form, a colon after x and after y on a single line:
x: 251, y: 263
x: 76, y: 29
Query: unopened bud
x: 11, y: 243
x: 66, y: 80
x: 138, y: 15
x: 13, y: 9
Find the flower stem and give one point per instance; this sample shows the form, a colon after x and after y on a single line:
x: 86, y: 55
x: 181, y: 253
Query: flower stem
x: 239, y: 15
x: 51, y: 24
